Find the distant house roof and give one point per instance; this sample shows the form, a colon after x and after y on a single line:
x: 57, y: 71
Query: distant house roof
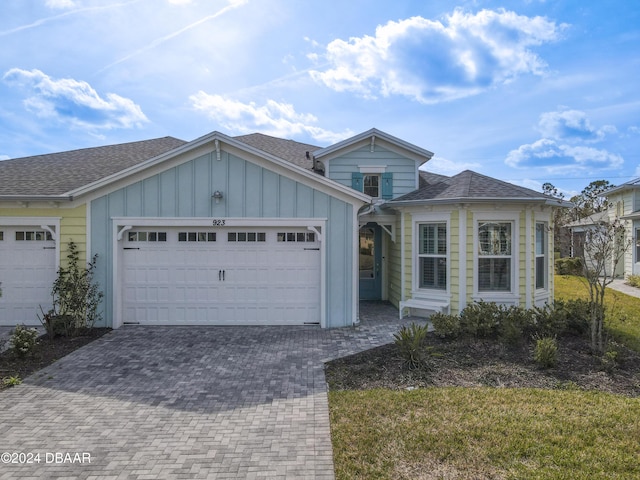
x: 289, y: 150
x: 57, y: 173
x: 632, y: 184
x: 470, y: 186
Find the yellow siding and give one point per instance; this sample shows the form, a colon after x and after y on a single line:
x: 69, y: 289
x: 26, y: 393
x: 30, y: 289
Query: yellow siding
x: 454, y: 256
x: 394, y: 266
x: 470, y: 256
x: 522, y: 263
x: 408, y: 254
x: 73, y: 226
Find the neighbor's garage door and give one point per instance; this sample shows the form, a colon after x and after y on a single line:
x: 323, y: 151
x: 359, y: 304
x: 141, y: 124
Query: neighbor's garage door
x: 189, y: 276
x: 27, y: 273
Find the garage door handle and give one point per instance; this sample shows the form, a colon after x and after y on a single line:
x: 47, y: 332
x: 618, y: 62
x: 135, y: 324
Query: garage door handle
x: 219, y: 275
x: 312, y: 248
x: 48, y: 248
x: 223, y: 272
x: 131, y: 248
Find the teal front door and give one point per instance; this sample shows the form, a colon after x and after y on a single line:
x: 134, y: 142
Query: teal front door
x: 370, y: 262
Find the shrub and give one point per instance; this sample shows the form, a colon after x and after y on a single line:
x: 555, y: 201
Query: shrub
x: 634, y: 280
x: 546, y: 352
x: 481, y: 319
x: 11, y: 381
x: 613, y: 357
x: 445, y: 325
x: 515, y: 324
x: 24, y: 340
x: 76, y: 297
x: 410, y: 342
x: 569, y: 266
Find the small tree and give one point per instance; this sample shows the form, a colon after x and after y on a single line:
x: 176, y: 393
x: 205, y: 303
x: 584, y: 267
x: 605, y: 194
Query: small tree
x: 76, y: 297
x: 604, y: 247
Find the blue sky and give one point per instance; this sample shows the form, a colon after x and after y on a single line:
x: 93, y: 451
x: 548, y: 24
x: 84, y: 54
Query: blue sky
x: 525, y: 91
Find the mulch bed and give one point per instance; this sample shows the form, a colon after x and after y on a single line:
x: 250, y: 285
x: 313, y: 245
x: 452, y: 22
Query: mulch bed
x: 475, y: 363
x: 45, y: 353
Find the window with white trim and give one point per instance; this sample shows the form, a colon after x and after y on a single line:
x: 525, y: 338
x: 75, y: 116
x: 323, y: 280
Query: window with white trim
x: 432, y: 255
x: 142, y: 236
x: 196, y: 236
x: 37, y: 236
x: 495, y: 256
x: 541, y: 255
x: 246, y: 237
x: 371, y: 184
x: 296, y: 237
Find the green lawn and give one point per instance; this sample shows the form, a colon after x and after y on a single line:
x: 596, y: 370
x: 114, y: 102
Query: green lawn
x: 476, y: 433
x: 623, y: 311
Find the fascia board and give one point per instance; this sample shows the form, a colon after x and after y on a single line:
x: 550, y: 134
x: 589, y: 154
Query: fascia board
x: 540, y: 201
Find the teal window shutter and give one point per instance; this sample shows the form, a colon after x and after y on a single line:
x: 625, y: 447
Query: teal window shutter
x: 356, y: 181
x: 387, y: 185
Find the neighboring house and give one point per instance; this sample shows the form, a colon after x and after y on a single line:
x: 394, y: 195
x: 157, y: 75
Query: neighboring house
x: 260, y: 230
x: 624, y: 204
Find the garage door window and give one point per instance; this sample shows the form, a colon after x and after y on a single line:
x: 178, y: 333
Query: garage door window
x: 37, y: 236
x: 147, y: 236
x: 1, y: 236
x: 296, y: 237
x: 197, y: 236
x: 246, y: 237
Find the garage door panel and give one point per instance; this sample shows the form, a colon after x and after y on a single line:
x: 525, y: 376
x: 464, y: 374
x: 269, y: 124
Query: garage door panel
x: 239, y: 278
x: 27, y: 273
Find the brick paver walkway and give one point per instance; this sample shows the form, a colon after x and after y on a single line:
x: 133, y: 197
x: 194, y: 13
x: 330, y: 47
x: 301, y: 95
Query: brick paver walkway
x: 185, y: 402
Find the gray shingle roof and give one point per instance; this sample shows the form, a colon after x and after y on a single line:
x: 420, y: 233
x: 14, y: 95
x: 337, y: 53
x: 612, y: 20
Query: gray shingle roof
x: 289, y: 150
x: 58, y: 173
x: 467, y: 185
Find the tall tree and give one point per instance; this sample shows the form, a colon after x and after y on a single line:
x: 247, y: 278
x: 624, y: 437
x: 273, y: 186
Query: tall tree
x: 589, y: 201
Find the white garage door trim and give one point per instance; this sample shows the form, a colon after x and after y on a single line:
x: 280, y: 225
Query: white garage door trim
x: 51, y: 225
x: 122, y: 224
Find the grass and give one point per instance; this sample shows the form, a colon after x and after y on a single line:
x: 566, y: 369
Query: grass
x: 484, y: 433
x: 623, y: 311
x: 476, y: 433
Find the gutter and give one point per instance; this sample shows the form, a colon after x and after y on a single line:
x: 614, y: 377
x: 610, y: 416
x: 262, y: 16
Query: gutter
x: 36, y: 198
x: 438, y: 201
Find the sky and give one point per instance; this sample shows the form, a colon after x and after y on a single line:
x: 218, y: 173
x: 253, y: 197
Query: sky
x: 529, y: 91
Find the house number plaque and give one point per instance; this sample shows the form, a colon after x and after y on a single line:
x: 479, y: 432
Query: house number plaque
x: 218, y: 222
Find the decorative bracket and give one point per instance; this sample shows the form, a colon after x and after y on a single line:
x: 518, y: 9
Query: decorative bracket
x: 217, y: 149
x: 50, y: 230
x: 316, y: 231
x: 122, y: 231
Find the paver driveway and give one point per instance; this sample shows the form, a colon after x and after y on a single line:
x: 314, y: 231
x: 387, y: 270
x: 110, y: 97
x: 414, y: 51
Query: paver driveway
x: 186, y: 402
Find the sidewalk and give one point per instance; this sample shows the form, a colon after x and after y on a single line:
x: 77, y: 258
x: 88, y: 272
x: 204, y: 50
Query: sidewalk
x: 620, y: 285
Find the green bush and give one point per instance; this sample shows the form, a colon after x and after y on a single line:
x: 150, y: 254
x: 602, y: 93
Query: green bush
x: 546, y: 352
x: 24, y: 340
x: 11, y: 381
x: 515, y: 324
x: 445, y: 325
x: 411, y: 342
x: 481, y: 319
x: 569, y: 266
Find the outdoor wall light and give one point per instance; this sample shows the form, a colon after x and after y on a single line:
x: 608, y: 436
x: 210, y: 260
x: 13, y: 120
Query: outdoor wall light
x: 217, y: 195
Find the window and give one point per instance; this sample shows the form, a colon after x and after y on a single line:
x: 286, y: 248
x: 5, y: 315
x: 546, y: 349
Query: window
x: 246, y: 237
x: 541, y: 255
x: 1, y: 236
x: 494, y: 256
x: 638, y: 245
x: 296, y: 237
x: 147, y: 236
x: 36, y: 236
x: 371, y: 185
x: 432, y: 255
x: 196, y: 236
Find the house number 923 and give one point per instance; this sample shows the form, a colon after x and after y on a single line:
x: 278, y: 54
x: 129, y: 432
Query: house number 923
x: 218, y: 222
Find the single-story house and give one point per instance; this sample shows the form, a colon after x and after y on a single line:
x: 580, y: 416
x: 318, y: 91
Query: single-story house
x: 254, y: 229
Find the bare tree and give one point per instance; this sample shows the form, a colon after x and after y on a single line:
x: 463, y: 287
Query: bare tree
x: 604, y: 248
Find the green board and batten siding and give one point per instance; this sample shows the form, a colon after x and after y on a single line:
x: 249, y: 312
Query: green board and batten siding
x: 250, y: 191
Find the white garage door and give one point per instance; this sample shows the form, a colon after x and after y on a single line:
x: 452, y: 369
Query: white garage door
x: 27, y: 273
x: 226, y: 276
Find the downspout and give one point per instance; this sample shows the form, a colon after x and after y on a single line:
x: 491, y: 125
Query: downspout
x: 402, y: 253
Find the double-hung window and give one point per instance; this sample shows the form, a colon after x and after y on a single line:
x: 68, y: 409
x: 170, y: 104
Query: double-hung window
x: 541, y: 255
x: 432, y: 255
x: 371, y: 185
x: 495, y: 256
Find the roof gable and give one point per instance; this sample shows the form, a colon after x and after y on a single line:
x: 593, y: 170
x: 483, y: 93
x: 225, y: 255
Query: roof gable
x: 420, y: 155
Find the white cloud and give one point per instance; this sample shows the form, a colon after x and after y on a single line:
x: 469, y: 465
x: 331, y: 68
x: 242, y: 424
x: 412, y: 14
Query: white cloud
x: 444, y: 166
x: 4, y: 157
x: 60, y: 3
x: 571, y: 125
x: 557, y: 158
x: 74, y: 102
x: 180, y: 2
x: 273, y: 118
x: 433, y: 61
